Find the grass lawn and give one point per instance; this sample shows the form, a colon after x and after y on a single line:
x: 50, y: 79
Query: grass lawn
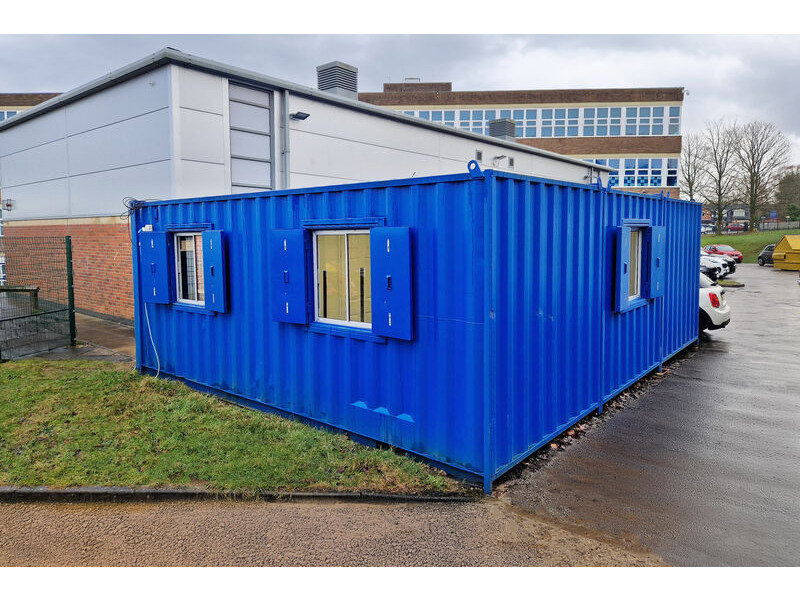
x: 71, y: 423
x: 749, y: 244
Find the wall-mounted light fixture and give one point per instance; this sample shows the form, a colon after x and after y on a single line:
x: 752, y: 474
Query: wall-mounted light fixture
x: 299, y: 116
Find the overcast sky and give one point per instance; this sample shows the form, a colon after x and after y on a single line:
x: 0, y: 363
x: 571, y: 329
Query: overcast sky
x: 727, y: 76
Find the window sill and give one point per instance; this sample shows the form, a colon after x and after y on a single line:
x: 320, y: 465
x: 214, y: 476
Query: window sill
x: 634, y: 304
x: 348, y: 332
x: 192, y: 308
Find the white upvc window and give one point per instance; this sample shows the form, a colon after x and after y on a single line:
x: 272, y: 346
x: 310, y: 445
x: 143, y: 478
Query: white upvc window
x: 342, y: 283
x: 189, y: 267
x: 635, y: 269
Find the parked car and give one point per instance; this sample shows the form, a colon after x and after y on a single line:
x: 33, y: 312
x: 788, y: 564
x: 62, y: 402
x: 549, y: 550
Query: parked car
x: 709, y: 271
x: 735, y: 226
x: 765, y: 258
x: 723, y: 249
x: 718, y: 264
x: 723, y: 258
x: 706, y: 229
x: 715, y: 313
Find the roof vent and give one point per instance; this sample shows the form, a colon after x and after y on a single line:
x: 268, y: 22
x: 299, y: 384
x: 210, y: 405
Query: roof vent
x: 338, y: 78
x: 505, y: 129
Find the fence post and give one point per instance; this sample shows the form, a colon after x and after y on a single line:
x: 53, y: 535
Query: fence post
x: 70, y: 291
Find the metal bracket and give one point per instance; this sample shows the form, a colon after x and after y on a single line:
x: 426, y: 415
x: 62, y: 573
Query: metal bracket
x: 474, y: 169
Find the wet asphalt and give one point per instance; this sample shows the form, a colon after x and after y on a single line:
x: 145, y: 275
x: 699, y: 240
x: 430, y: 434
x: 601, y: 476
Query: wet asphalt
x: 704, y: 467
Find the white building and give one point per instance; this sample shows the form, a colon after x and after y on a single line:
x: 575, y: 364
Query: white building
x: 174, y: 125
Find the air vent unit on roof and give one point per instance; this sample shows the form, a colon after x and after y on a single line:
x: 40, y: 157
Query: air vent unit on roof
x: 504, y: 129
x: 338, y: 78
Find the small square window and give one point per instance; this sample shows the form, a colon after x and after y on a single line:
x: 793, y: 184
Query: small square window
x: 425, y: 114
x: 630, y: 129
x: 572, y: 113
x: 561, y: 113
x: 616, y: 113
x: 477, y: 115
x: 644, y: 129
x: 463, y: 115
x: 572, y: 131
x: 630, y: 112
x: 436, y: 115
x: 559, y: 132
x: 588, y: 113
x: 518, y: 132
x: 644, y: 111
x: 519, y: 114
x: 530, y: 113
x: 491, y: 115
x: 674, y: 129
x: 505, y: 114
x: 658, y: 130
x: 342, y: 277
x: 615, y: 130
x: 547, y: 113
x: 408, y: 112
x: 658, y: 111
x: 674, y: 111
x: 602, y: 130
x: 547, y: 132
x: 449, y: 115
x: 530, y: 132
x: 588, y: 131
x: 602, y: 113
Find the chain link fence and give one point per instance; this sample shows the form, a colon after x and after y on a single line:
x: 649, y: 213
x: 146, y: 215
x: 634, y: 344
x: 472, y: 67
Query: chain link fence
x: 37, y: 308
x: 779, y: 225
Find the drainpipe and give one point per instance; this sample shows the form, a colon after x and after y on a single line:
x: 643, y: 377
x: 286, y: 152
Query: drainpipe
x: 285, y: 118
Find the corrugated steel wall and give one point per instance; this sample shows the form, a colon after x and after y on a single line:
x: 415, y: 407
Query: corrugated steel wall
x: 515, y: 334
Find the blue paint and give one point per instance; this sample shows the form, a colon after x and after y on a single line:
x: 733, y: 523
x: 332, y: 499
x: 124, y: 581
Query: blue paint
x: 511, y: 333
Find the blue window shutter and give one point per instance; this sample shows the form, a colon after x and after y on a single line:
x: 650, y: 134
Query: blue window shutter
x: 214, y: 275
x: 390, y: 256
x: 658, y: 244
x: 288, y: 277
x: 154, y: 267
x: 622, y: 266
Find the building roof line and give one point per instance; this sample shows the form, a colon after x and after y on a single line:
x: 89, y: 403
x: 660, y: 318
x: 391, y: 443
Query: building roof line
x: 168, y: 55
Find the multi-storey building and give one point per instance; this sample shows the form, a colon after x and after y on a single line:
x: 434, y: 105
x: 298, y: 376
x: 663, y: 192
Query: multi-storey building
x: 635, y: 131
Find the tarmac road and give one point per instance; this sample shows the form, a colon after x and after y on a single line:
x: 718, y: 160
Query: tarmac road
x: 704, y: 467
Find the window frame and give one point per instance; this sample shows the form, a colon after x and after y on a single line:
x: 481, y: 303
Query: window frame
x: 176, y: 248
x: 315, y: 277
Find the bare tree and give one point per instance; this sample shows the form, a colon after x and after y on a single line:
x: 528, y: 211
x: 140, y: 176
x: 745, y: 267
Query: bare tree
x: 788, y: 193
x: 693, y: 177
x: 720, y: 167
x: 762, y: 153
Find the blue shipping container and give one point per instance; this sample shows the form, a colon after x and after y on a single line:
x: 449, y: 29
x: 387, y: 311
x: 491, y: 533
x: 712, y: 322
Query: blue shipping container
x: 467, y: 319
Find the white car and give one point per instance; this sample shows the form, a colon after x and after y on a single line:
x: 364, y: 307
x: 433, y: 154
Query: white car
x: 711, y: 259
x: 715, y: 312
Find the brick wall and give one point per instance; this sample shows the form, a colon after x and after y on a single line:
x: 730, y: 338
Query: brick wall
x: 101, y: 261
x: 598, y: 146
x: 437, y: 97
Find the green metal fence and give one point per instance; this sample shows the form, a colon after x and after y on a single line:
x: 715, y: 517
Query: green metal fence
x: 37, y: 306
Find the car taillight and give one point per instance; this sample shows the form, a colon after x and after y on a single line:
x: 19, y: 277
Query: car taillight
x: 714, y: 299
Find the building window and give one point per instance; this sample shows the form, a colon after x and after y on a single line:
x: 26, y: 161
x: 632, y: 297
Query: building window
x: 189, y: 267
x: 342, y: 278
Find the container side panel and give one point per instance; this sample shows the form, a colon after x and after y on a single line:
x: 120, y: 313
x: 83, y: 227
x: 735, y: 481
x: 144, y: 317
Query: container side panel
x: 424, y: 395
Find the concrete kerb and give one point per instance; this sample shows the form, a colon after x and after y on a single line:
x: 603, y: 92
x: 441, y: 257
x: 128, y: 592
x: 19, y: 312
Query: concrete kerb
x: 154, y: 494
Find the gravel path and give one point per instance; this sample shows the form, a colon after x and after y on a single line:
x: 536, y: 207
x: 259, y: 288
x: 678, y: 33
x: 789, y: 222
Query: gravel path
x: 256, y: 533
